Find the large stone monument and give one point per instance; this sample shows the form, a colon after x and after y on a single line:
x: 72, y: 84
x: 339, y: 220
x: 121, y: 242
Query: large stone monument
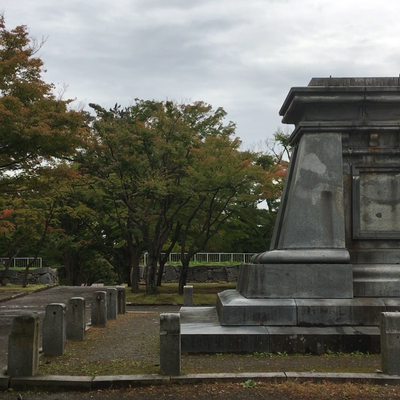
x: 334, y: 261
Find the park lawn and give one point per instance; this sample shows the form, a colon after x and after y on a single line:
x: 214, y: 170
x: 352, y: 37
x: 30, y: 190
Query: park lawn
x: 20, y: 288
x: 203, y: 294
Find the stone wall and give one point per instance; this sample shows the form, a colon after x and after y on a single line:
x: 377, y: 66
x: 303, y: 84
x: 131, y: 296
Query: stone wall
x: 200, y: 273
x: 39, y: 276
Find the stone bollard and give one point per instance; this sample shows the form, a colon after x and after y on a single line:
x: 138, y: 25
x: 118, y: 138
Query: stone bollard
x: 99, y: 309
x: 121, y: 295
x: 23, y: 346
x: 54, y: 329
x: 390, y: 342
x: 188, y: 296
x: 76, y: 319
x: 112, y: 303
x: 170, y: 344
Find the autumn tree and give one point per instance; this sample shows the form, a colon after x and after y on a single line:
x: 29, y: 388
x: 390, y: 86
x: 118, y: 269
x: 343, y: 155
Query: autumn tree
x: 141, y: 157
x: 227, y: 180
x: 34, y: 125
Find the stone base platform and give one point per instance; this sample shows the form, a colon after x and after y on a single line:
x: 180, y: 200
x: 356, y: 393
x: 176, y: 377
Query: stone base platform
x: 238, y: 324
x: 201, y: 332
x: 236, y: 310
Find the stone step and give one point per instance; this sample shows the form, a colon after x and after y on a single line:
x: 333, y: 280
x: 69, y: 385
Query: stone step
x: 236, y: 310
x: 201, y: 332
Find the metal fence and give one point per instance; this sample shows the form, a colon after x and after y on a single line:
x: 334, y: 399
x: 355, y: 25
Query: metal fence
x: 22, y: 262
x: 234, y: 258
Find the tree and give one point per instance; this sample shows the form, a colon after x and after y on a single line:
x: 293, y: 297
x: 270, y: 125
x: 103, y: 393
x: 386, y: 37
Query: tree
x: 141, y: 156
x: 34, y: 125
x: 226, y: 181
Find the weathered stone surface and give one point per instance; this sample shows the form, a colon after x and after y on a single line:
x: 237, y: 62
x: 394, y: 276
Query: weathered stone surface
x: 23, y: 346
x: 202, y: 332
x: 296, y: 281
x: 121, y: 298
x: 54, y: 329
x: 336, y: 243
x: 334, y: 312
x: 170, y: 344
x: 187, y: 295
x: 311, y: 215
x: 201, y: 273
x: 99, y: 309
x: 390, y: 343
x: 43, y: 276
x: 112, y: 303
x: 235, y: 309
x: 76, y: 319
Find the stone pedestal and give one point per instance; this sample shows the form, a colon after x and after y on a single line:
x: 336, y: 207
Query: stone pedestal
x: 334, y: 260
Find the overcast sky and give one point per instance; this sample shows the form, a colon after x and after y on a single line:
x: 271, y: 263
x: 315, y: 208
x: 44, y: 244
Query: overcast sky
x: 242, y: 55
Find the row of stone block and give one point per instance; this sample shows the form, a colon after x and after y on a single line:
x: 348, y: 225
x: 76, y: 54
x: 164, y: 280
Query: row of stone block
x: 61, y: 323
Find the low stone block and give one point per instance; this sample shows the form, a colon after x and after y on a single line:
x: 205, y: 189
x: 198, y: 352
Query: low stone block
x: 390, y: 342
x: 187, y: 296
x: 76, y: 319
x: 23, y: 346
x: 112, y: 303
x: 121, y: 299
x: 170, y: 344
x: 54, y: 329
x: 99, y: 309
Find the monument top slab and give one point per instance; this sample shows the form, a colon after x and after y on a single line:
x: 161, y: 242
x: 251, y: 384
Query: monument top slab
x: 374, y: 82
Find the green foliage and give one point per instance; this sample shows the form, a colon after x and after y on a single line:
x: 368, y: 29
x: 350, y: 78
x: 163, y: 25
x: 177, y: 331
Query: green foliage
x: 249, y: 384
x: 34, y: 124
x: 92, y: 194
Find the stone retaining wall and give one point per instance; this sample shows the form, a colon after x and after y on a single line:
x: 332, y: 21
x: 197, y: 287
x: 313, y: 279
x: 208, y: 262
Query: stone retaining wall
x: 39, y: 276
x: 200, y: 273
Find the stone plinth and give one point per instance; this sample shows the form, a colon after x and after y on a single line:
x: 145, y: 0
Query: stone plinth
x: 334, y: 260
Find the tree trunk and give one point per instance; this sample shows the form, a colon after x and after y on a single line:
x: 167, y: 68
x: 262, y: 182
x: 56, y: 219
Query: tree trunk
x: 160, y: 272
x: 183, y: 274
x: 135, y: 276
x: 151, y: 270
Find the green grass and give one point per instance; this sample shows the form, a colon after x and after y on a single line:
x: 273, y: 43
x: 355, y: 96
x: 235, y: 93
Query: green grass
x: 203, y: 294
x: 20, y: 288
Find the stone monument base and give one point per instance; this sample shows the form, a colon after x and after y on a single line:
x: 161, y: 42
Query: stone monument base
x: 238, y: 324
x: 305, y: 280
x: 201, y: 332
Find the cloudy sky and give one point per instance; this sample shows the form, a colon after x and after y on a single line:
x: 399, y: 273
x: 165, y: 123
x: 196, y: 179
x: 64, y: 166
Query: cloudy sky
x: 242, y: 55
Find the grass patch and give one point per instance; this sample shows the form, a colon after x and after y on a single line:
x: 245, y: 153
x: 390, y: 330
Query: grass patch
x: 19, y: 288
x: 203, y: 294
